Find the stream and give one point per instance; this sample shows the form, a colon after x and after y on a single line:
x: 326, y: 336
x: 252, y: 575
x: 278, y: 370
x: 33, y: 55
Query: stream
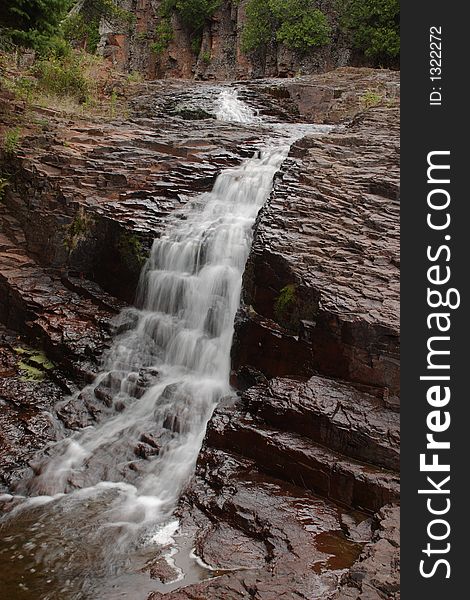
x: 89, y: 518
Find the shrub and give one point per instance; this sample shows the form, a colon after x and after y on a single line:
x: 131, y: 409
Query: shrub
x: 371, y: 98
x: 79, y: 30
x: 81, y: 26
x: 259, y: 27
x: 24, y: 88
x: 193, y: 14
x: 11, y: 142
x: 295, y: 23
x: 62, y: 77
x: 374, y: 27
x: 32, y: 23
x: 163, y: 36
x: 300, y: 25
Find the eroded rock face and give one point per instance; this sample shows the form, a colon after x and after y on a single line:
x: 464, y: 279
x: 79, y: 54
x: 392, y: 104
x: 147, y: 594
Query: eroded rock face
x: 295, y: 490
x: 219, y: 54
x: 92, y: 196
x: 84, y: 201
x: 322, y: 280
x: 27, y: 395
x: 316, y: 358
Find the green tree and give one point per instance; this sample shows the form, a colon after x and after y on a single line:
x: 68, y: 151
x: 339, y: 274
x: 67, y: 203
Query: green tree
x: 298, y: 24
x: 193, y: 14
x: 81, y: 26
x: 260, y: 25
x: 301, y: 25
x: 374, y: 27
x: 32, y: 23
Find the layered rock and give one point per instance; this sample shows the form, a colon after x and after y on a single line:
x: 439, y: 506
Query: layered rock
x: 296, y: 485
x: 322, y: 280
x: 82, y: 203
x: 217, y: 51
x: 91, y: 196
x: 316, y: 353
x: 330, y: 97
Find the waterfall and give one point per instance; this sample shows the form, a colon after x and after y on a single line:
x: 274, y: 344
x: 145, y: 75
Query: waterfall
x: 111, y: 488
x: 180, y: 343
x: 232, y: 109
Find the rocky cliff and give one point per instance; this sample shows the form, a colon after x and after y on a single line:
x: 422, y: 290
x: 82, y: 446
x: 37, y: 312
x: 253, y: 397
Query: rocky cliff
x: 296, y: 489
x: 316, y: 349
x: 216, y: 51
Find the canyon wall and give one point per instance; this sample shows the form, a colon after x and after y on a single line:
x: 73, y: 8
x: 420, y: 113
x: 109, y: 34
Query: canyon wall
x: 296, y: 487
x: 218, y: 55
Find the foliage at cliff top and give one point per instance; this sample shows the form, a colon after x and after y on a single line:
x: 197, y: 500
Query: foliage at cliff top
x: 81, y: 25
x: 31, y: 23
x: 296, y: 23
x: 374, y: 27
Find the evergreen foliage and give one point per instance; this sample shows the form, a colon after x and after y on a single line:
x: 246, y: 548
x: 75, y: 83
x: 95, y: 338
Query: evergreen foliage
x: 296, y: 23
x: 374, y: 27
x: 32, y: 23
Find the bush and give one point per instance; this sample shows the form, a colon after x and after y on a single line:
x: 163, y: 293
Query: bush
x: 78, y: 30
x: 193, y: 14
x: 374, y: 27
x: 300, y: 25
x: 260, y: 25
x: 163, y: 36
x: 371, y: 98
x: 81, y: 27
x: 11, y: 141
x: 62, y: 77
x: 295, y: 23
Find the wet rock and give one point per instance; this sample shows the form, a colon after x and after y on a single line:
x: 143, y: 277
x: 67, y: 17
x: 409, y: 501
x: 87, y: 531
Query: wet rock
x: 92, y: 199
x: 160, y: 569
x: 145, y: 451
x: 316, y: 359
x: 265, y: 536
x: 331, y: 413
x: 321, y: 287
x: 293, y: 457
x: 334, y: 96
x: 26, y: 421
x: 290, y: 473
x: 376, y: 573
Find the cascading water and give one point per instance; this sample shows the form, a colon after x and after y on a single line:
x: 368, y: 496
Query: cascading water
x: 163, y: 377
x: 181, y: 340
x: 231, y: 108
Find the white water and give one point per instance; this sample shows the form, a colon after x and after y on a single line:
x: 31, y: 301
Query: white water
x: 232, y: 109
x: 180, y: 345
x: 190, y: 292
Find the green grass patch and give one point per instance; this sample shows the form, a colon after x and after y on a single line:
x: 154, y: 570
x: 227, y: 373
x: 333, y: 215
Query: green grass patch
x: 371, y: 98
